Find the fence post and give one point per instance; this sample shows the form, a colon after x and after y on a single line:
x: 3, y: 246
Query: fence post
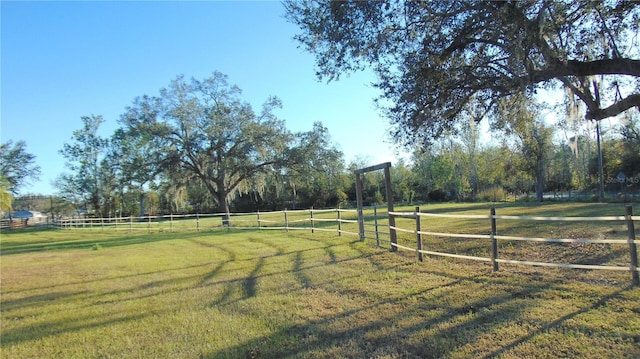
x: 171, y: 222
x: 375, y: 225
x: 258, y: 215
x: 286, y: 221
x: 418, y: 234
x: 633, y: 251
x: 494, y: 242
x: 197, y: 222
x: 359, y: 206
x: 312, y: 223
x: 393, y: 236
x: 149, y: 224
x: 130, y: 223
x: 339, y: 223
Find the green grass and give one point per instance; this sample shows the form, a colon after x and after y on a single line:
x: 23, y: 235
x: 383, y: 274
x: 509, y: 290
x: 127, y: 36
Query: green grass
x: 272, y: 294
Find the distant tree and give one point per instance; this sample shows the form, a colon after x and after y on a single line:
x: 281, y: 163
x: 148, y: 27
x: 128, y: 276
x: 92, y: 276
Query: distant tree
x: 372, y: 182
x: 134, y: 161
x: 630, y: 161
x: 436, y: 58
x: 17, y: 166
x: 204, y: 129
x: 558, y: 171
x: 520, y: 120
x: 5, y: 195
x: 402, y: 181
x: 313, y: 167
x: 83, y: 158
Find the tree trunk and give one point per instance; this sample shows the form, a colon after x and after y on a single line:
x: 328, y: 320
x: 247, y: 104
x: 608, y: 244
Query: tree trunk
x: 223, y: 206
x: 539, y: 178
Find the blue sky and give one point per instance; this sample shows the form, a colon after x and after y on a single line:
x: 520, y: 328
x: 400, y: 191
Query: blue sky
x: 64, y: 60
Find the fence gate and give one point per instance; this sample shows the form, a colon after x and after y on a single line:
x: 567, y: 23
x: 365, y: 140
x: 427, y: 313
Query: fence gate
x: 389, y: 194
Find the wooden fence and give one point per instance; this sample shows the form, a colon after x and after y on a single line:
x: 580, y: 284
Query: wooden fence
x: 336, y: 220
x: 407, y: 233
x: 11, y: 224
x: 491, y: 239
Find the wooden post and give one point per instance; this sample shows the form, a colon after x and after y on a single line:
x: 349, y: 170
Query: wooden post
x: 286, y: 221
x: 149, y: 225
x: 375, y: 224
x: 418, y: 234
x: 633, y: 251
x: 197, y: 222
x: 130, y: 223
x: 171, y: 222
x: 312, y: 223
x: 339, y: 223
x: 392, y: 220
x: 258, y: 214
x: 494, y: 242
x: 359, y: 205
x: 387, y: 176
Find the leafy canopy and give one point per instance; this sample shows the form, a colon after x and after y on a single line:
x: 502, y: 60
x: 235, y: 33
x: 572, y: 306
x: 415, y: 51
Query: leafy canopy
x: 436, y: 61
x: 202, y: 130
x: 17, y: 166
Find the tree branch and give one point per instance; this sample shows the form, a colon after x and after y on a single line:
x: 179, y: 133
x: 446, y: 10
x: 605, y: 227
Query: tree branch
x: 618, y: 66
x: 617, y: 108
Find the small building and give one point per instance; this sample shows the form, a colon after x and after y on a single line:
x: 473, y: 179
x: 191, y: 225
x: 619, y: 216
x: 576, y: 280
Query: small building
x: 32, y: 217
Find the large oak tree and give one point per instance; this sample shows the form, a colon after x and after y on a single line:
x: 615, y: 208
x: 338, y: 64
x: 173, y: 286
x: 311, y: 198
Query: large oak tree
x: 437, y: 59
x: 205, y: 132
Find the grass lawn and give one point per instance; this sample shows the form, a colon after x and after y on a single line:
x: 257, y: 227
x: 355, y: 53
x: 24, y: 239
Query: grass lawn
x: 272, y: 294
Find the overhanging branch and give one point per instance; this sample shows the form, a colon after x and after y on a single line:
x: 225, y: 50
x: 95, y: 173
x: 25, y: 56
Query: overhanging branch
x: 619, y: 66
x: 615, y: 109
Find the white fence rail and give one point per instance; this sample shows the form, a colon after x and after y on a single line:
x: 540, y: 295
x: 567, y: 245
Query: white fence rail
x: 336, y: 220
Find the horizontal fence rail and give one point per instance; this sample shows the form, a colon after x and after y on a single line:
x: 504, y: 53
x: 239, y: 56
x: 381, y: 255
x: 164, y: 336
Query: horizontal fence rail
x: 335, y: 220
x: 383, y: 226
x: 493, y: 238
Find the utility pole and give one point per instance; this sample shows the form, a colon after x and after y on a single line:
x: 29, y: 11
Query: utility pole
x: 601, y: 186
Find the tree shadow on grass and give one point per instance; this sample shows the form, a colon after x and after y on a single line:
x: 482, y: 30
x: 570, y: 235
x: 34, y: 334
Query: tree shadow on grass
x: 558, y: 322
x: 10, y: 247
x: 298, y: 273
x: 403, y: 325
x: 176, y: 281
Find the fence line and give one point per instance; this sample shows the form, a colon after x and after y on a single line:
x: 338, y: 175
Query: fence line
x: 346, y: 222
x: 629, y: 219
x: 309, y: 219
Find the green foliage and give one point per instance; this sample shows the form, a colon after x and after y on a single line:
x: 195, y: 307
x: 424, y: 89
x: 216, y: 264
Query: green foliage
x: 439, y: 62
x: 203, y: 129
x: 313, y: 169
x: 17, y: 166
x: 520, y: 119
x: 6, y: 198
x: 86, y: 184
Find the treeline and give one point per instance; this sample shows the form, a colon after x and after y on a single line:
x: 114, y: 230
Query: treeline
x: 197, y: 147
x: 460, y: 168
